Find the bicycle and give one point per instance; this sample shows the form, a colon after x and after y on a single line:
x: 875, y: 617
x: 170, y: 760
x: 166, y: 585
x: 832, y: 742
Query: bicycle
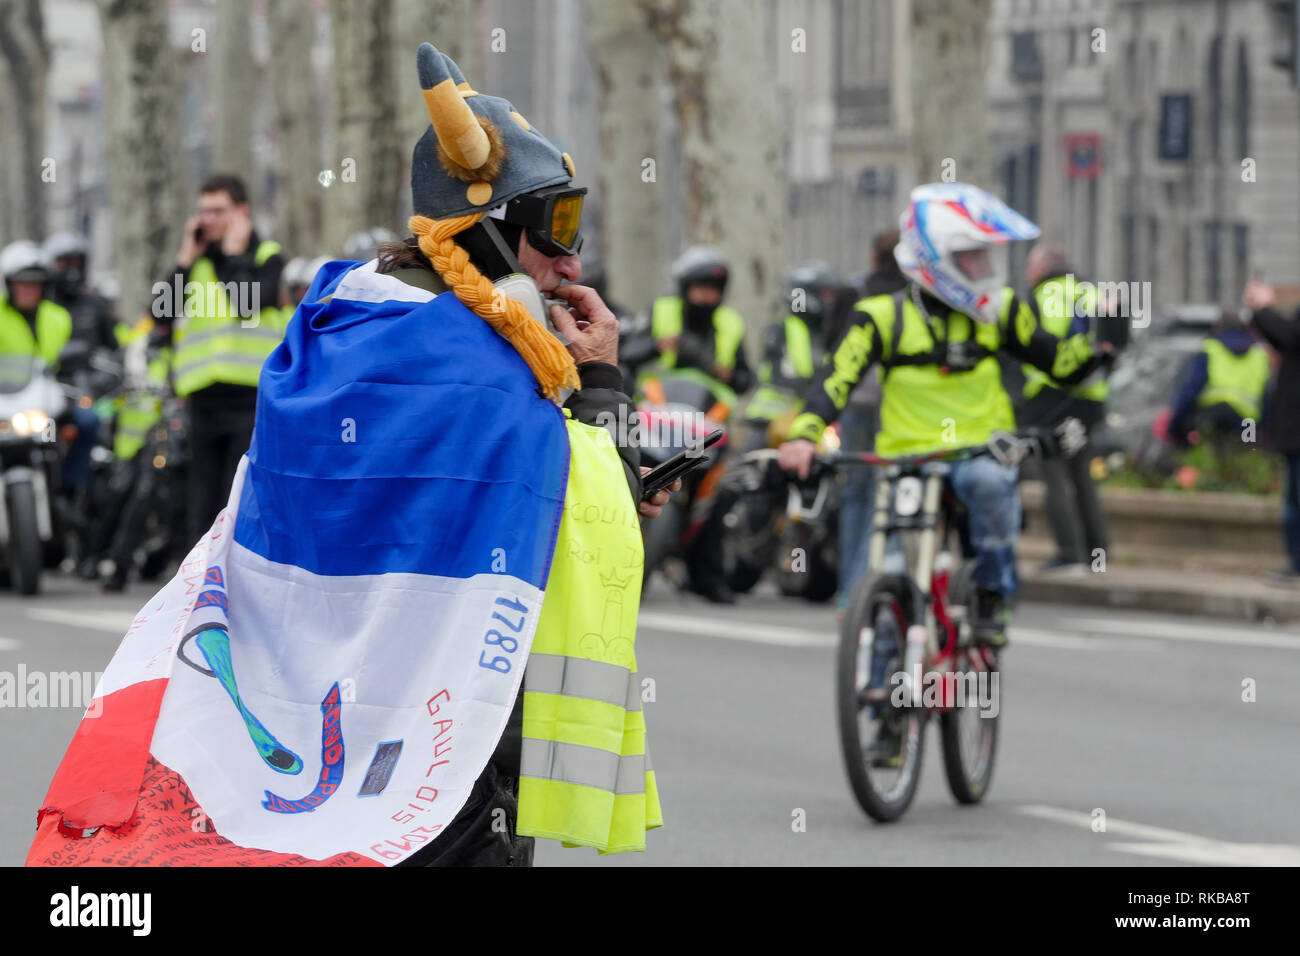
x: 915, y: 625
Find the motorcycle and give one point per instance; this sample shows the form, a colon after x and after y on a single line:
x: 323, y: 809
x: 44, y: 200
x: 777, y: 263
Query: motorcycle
x: 676, y: 412
x: 773, y: 520
x: 30, y: 401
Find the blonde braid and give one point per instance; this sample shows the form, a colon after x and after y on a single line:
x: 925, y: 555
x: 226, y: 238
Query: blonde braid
x: 550, y: 361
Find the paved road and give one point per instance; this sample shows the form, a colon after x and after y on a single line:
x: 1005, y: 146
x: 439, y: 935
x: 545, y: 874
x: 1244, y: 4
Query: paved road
x: 1140, y: 715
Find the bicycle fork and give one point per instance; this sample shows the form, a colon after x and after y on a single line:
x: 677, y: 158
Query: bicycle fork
x: 919, y: 637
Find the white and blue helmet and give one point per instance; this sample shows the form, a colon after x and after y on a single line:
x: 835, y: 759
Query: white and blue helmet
x: 945, y: 218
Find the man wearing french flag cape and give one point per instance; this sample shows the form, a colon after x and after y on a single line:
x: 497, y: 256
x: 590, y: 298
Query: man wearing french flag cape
x: 418, y: 607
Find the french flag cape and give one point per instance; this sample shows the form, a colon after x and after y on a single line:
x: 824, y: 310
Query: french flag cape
x: 319, y: 683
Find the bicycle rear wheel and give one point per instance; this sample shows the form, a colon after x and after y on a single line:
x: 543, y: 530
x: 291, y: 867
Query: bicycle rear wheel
x: 970, y: 730
x: 882, y: 744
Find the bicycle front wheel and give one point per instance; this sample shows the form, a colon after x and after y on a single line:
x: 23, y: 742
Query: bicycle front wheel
x: 882, y: 742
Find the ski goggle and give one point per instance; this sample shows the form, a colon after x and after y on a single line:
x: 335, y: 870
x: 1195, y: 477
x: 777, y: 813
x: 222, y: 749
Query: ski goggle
x: 552, y: 218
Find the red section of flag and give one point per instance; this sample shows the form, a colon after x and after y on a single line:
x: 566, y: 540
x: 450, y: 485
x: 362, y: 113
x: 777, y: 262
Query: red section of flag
x: 98, y: 782
x: 169, y: 828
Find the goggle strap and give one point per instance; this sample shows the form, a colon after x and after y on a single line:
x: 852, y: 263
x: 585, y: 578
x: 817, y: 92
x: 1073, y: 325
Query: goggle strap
x: 506, y: 253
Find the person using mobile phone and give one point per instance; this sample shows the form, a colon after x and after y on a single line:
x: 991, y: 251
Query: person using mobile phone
x: 220, y: 302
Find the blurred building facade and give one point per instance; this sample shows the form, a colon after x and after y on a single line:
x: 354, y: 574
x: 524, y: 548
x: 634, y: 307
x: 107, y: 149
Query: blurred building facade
x: 1152, y: 137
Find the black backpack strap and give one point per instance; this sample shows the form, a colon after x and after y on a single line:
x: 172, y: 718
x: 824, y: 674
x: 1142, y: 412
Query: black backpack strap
x: 894, y: 360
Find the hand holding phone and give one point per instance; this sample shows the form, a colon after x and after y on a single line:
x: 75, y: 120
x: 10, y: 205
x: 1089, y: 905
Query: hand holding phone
x: 659, y: 478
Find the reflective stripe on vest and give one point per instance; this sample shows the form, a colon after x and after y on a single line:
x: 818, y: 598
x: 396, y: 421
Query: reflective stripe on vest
x: 53, y: 329
x: 1056, y: 315
x: 1235, y: 380
x: 213, y: 344
x: 921, y: 408
x: 585, y: 776
x: 728, y: 330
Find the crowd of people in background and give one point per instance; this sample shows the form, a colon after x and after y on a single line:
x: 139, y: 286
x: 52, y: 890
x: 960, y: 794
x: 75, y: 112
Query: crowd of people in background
x: 1246, y: 371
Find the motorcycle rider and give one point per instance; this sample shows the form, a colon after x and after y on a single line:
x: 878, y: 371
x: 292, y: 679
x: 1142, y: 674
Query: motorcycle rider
x: 793, y: 348
x: 936, y: 341
x: 32, y: 324
x: 694, y: 329
x: 136, y: 475
x: 695, y: 332
x: 94, y: 320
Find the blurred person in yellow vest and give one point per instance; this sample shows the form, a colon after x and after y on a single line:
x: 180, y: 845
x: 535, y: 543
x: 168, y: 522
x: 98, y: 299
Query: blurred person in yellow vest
x: 1222, y: 388
x: 1066, y: 306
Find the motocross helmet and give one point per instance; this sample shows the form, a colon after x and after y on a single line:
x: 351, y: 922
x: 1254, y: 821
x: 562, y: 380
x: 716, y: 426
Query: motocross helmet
x: 945, y: 219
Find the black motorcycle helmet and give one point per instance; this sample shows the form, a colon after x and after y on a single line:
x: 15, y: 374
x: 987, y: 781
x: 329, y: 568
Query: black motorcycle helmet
x: 811, y: 290
x: 702, y: 265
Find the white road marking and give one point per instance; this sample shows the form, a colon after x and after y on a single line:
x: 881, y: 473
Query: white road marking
x: 737, y: 630
x: 1067, y: 640
x: 1179, y: 631
x: 1175, y: 844
x: 9, y: 644
x: 108, y: 622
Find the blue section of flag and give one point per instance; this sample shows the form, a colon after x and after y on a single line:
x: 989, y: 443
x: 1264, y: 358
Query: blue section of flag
x: 401, y: 437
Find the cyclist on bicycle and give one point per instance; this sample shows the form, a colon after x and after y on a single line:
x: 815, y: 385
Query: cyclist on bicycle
x: 936, y: 341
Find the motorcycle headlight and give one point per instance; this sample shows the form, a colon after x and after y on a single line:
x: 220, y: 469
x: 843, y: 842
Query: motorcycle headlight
x: 31, y: 422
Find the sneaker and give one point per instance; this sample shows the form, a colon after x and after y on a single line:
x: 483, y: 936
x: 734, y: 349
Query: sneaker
x: 989, y: 629
x: 115, y: 581
x: 887, y: 749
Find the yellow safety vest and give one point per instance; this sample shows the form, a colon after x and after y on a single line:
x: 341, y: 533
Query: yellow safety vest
x: 1056, y: 315
x: 1236, y: 380
x: 213, y: 343
x: 140, y: 411
x: 53, y: 329
x: 777, y: 392
x: 728, y: 330
x: 585, y: 775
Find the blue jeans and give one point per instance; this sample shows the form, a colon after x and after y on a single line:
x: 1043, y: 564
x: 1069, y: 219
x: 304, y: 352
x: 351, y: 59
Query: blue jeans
x: 1291, y: 509
x: 76, y: 463
x: 988, y: 490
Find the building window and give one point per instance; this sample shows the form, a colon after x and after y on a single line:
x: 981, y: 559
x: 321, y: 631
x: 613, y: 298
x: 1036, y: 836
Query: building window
x: 1026, y: 64
x: 863, y: 62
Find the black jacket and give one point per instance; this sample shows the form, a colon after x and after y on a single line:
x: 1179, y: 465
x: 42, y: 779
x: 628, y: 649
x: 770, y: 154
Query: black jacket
x: 1282, y: 421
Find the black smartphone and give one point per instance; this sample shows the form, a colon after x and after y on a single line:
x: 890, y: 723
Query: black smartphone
x: 657, y: 479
